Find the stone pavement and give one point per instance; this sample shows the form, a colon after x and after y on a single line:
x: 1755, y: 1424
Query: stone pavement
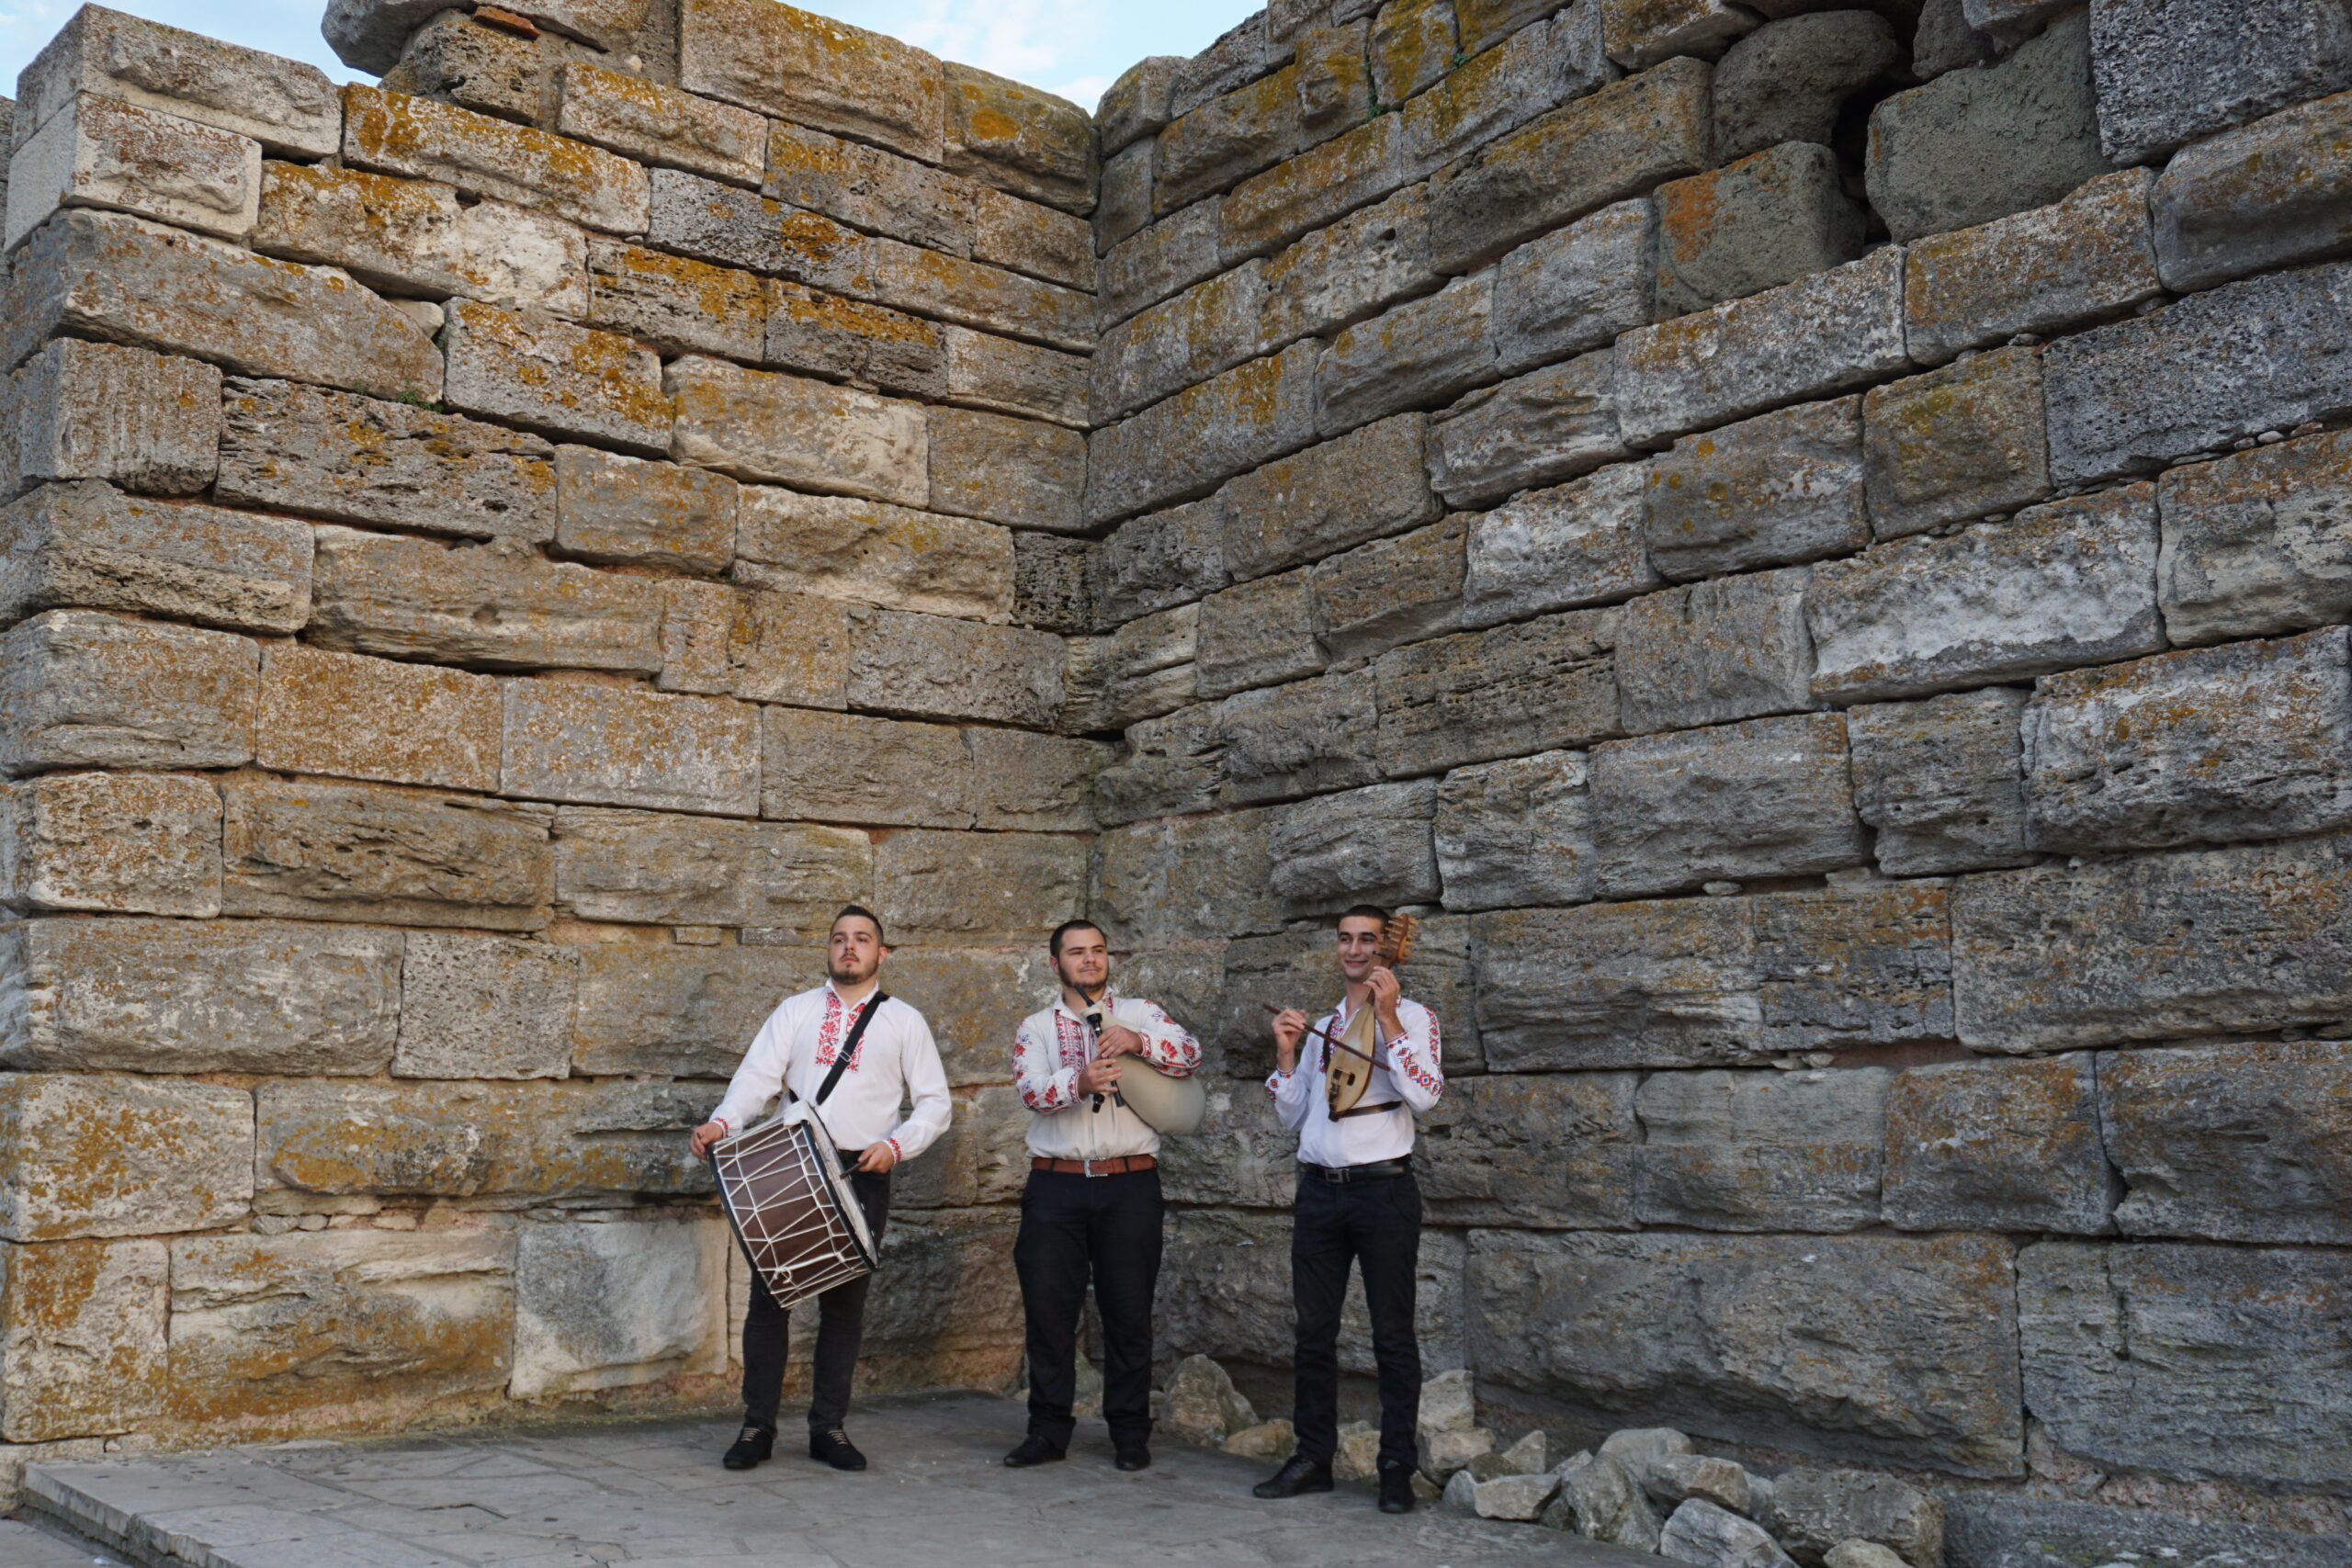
x: 651, y: 1493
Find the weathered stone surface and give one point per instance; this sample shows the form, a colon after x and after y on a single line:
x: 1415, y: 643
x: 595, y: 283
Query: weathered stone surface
x: 149, y: 423
x: 2152, y: 947
x: 1360, y: 846
x: 975, y: 884
x: 1211, y: 327
x: 109, y: 275
x: 1956, y: 443
x: 2230, y: 1143
x: 1158, y: 562
x: 1515, y: 689
x: 2168, y: 75
x: 457, y: 59
x: 1616, y: 142
x: 549, y: 375
x: 1642, y: 32
x: 286, y: 105
x: 1180, y: 448
x: 2270, y: 1411
x: 1926, y: 1328
x: 1767, y: 797
x: 1548, y: 1150
x: 1198, y: 878
x: 1172, y: 765
x: 1014, y: 137
x: 1860, y: 963
x: 998, y: 374
x: 1143, y: 669
x: 1028, y: 238
x: 1678, y: 1478
x: 100, y: 153
x: 82, y: 688
x: 1035, y: 783
x: 1576, y: 289
x: 1049, y: 591
x: 1666, y: 983
x: 1942, y: 780
x: 213, y: 996
x: 392, y: 134
x: 1350, y: 270
x: 1137, y: 104
x: 869, y: 346
x: 366, y: 853
x: 1235, y: 134
x: 1711, y: 651
x: 1571, y: 545
x: 1998, y: 1146
x: 767, y: 646
x: 1301, y: 739
x: 1367, y: 484
x: 2250, y: 543
x: 1786, y: 80
x: 1390, y: 590
x: 673, y: 303
x: 2043, y: 1532
x: 1602, y: 1501
x: 1163, y: 260
x: 1538, y: 429
x: 623, y: 1302
x: 2267, y: 196
x: 351, y: 716
x: 1782, y: 487
x: 2240, y: 741
x: 1817, y: 1511
x: 2068, y: 583
x: 650, y: 868
x: 357, y: 460
x: 1699, y: 1531
x: 1760, y: 1151
x: 125, y: 843
x: 1419, y: 354
x: 2079, y: 260
x: 840, y: 548
x: 1516, y: 833
x: 84, y: 1347
x: 484, y: 1006
x: 1769, y: 219
x: 832, y: 767
x: 1495, y: 91
x: 868, y: 189
x: 784, y: 429
x: 615, y: 509
x: 1334, y: 81
x: 622, y: 746
x: 679, y: 1011
x: 1411, y: 47
x: 2246, y: 358
x: 791, y: 64
x: 934, y: 667
x: 1016, y: 471
x: 654, y: 124
x: 1820, y: 334
x: 89, y: 545
x: 493, y: 605
x: 92, y: 1156
x: 1241, y: 54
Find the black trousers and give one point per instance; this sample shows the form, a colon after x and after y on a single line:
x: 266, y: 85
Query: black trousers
x: 1376, y: 1224
x: 1072, y: 1227
x: 841, y: 1324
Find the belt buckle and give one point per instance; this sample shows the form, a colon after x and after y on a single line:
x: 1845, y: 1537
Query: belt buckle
x: 1086, y: 1167
x: 1335, y: 1173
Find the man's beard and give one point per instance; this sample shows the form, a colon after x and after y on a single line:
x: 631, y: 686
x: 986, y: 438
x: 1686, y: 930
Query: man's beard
x: 835, y: 973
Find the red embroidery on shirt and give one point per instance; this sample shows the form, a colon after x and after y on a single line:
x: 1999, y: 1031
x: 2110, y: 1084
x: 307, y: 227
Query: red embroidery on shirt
x: 830, y: 1029
x: 1075, y: 1041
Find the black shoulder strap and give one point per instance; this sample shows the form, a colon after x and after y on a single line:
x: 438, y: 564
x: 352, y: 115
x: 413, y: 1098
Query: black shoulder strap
x: 849, y: 1046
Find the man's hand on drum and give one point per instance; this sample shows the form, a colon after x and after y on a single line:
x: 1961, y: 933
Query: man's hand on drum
x: 702, y: 1137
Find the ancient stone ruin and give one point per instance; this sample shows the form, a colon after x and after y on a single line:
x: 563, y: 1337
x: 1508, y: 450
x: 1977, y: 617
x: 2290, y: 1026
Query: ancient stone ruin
x: 1810, y: 542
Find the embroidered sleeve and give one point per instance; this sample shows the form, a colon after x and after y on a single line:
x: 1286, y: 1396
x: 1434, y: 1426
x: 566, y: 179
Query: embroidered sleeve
x: 1414, y: 1058
x: 1293, y: 1094
x: 1169, y: 1046
x: 1046, y: 1084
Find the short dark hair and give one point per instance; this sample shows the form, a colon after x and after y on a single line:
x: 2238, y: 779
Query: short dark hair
x: 862, y: 913
x: 1054, y: 943
x: 1368, y: 912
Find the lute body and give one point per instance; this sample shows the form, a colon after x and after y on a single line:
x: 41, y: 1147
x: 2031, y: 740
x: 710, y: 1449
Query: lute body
x: 1352, y: 1058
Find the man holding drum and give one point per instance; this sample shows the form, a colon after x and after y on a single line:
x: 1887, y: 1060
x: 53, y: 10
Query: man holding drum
x: 1092, y: 1202
x: 891, y: 1054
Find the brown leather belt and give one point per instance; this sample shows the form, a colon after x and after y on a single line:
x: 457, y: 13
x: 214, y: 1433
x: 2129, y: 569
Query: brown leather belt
x: 1368, y: 1110
x: 1119, y: 1166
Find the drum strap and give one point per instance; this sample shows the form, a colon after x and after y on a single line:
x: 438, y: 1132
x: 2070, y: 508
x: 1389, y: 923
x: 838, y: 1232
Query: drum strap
x: 849, y: 1046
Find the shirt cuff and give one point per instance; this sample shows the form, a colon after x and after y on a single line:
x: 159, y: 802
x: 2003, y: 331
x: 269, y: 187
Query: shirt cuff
x: 896, y: 1153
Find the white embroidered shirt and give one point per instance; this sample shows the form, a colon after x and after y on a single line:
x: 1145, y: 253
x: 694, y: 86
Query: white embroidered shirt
x: 1052, y: 1047
x: 1408, y: 1074
x: 895, y: 1056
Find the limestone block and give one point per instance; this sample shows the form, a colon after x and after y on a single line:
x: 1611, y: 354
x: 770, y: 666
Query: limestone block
x: 650, y: 868
x: 1860, y: 963
x: 677, y: 1011
x: 1237, y: 1043
x: 987, y: 298
x: 1018, y: 138
x: 1516, y: 833
x: 549, y: 375
x: 2081, y: 259
x: 1770, y: 217
x: 1665, y: 984
x: 493, y: 605
x: 980, y: 885
x: 610, y: 508
x: 1570, y: 544
x: 1979, y: 1530
x: 793, y: 65
x: 2263, y: 196
x: 1360, y: 846
x: 1537, y: 429
x: 149, y: 423
x: 1228, y: 137
x: 2150, y: 947
x: 1678, y: 1478
x: 1547, y: 1150
x: 1197, y: 878
x: 1016, y: 471
x: 1035, y: 783
x: 1485, y: 23
x: 1602, y: 1501
x: 1615, y: 142
x: 2249, y: 542
x: 1665, y: 1327
x: 1158, y: 562
x: 2239, y: 741
x: 673, y: 303
x: 392, y: 134
x: 1498, y: 90
x: 1350, y: 270
x: 1788, y: 80
x: 933, y: 667
x: 1315, y: 189
x: 1005, y: 377
x: 1957, y: 442
x: 765, y: 646
x: 1507, y: 691
x: 1576, y: 289
x: 491, y: 69
x: 286, y: 105
x: 350, y: 716
x: 732, y: 227
x: 89, y: 544
x: 1390, y: 590
x: 357, y: 460
x: 84, y: 1349
x: 846, y: 768
x: 2068, y: 583
x: 868, y: 189
x: 1998, y: 1146
x: 2167, y: 76
x: 110, y: 276
x: 415, y: 236
x: 1049, y: 591
x: 1413, y: 46
x: 783, y: 429
x: 1123, y: 206
x: 1760, y: 1151
x: 1786, y: 486
x: 1163, y: 260
x: 363, y: 1320
x: 366, y: 853
x: 1145, y: 669
x: 1137, y: 104
x: 654, y: 124
x: 1942, y: 780
x: 1302, y: 738
x: 623, y: 745
x: 1820, y: 334
x: 1766, y: 798
x: 1172, y: 765
x: 1241, y: 54
x: 125, y: 843
x: 1368, y: 484
x: 1818, y: 1511
x: 1334, y: 80
x: 82, y: 688
x: 1184, y: 445
x: 840, y: 548
x: 1417, y: 354
x: 1699, y: 1532
x: 1711, y: 651
x: 484, y: 1006
x: 1211, y: 327
x: 1240, y: 1158
x: 1639, y: 33
x: 2241, y: 359
x: 1028, y: 238
x: 869, y: 346
x: 604, y: 1305
x: 2269, y: 1409
x: 106, y: 1156
x: 100, y: 151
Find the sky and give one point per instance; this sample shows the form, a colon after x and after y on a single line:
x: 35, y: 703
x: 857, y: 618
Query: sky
x: 1075, y: 48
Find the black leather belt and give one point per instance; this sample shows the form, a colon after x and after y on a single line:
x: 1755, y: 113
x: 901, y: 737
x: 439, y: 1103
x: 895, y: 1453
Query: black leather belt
x: 1360, y: 1172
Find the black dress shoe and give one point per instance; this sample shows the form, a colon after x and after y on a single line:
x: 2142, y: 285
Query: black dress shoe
x: 1298, y: 1476
x: 1033, y: 1450
x: 835, y: 1449
x: 1134, y: 1458
x: 1397, y: 1489
x: 756, y: 1444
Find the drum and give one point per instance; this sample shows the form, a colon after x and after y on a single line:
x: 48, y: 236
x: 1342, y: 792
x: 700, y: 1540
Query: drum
x: 791, y: 1206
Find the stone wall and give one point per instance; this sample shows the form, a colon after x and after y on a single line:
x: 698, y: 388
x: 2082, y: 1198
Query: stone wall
x: 1806, y: 541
